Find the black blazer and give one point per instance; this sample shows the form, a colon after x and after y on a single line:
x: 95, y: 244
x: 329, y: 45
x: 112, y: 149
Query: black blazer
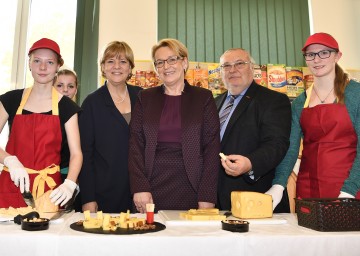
x: 104, y: 136
x: 259, y: 129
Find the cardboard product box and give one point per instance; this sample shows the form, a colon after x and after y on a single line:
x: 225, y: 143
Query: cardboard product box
x: 308, y: 81
x: 189, y: 76
x: 214, y: 80
x: 260, y: 75
x: 201, y: 77
x: 132, y: 80
x: 295, y: 84
x: 277, y: 77
x: 140, y: 78
x: 151, y: 79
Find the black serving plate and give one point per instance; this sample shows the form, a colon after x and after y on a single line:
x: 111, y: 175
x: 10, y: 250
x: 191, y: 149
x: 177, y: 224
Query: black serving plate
x: 119, y: 231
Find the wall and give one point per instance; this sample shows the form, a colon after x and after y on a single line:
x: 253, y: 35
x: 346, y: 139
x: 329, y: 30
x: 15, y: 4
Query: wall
x: 341, y: 19
x: 135, y: 22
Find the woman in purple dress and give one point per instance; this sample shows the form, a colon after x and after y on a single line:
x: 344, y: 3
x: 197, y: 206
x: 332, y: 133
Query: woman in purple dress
x: 174, y: 138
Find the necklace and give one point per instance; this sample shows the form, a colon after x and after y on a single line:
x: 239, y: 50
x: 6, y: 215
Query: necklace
x: 322, y: 101
x: 121, y: 99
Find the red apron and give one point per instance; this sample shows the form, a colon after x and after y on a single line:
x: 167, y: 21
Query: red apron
x: 329, y: 150
x: 36, y: 141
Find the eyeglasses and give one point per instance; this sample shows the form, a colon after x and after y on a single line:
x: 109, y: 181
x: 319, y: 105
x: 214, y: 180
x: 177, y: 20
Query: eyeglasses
x: 171, y: 61
x: 238, y: 65
x: 324, y: 54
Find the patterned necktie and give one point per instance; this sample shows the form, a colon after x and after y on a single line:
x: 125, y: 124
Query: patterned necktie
x: 226, y: 111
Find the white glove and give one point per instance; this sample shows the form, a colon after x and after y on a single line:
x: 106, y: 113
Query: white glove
x: 345, y: 195
x: 276, y: 191
x: 63, y: 193
x: 18, y: 174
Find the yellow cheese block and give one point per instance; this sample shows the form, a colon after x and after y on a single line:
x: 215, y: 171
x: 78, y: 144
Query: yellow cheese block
x: 202, y: 214
x: 87, y: 215
x: 92, y: 223
x: 106, y: 222
x: 251, y: 205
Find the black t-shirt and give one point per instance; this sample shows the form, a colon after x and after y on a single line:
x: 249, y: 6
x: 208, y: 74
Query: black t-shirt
x: 67, y: 108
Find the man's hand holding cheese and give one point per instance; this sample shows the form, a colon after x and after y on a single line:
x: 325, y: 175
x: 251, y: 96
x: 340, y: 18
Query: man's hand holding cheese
x: 236, y: 165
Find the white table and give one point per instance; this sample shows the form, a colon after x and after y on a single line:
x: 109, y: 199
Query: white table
x: 282, y: 239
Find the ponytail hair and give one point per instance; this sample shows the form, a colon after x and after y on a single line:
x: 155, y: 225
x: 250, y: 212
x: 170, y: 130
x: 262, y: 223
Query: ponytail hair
x: 340, y: 83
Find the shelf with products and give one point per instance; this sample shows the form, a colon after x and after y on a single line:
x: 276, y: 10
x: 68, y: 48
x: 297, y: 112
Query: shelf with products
x: 202, y: 74
x: 279, y: 77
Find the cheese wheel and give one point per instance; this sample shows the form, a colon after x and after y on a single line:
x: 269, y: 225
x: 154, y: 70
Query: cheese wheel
x: 44, y: 204
x: 251, y: 205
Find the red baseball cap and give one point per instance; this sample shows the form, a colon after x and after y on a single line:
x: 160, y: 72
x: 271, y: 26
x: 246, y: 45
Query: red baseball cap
x: 321, y: 38
x: 47, y: 44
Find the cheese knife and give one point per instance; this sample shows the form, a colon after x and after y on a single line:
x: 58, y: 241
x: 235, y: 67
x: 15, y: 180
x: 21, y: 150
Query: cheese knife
x: 29, y: 199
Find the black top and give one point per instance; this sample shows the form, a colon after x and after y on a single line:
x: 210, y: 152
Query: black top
x: 67, y: 108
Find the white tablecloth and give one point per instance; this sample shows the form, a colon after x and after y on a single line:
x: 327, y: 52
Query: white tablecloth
x: 277, y: 239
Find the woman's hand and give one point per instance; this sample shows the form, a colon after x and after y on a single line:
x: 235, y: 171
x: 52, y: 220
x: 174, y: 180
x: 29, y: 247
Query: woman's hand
x: 236, y: 165
x: 18, y: 174
x: 141, y: 199
x: 91, y: 206
x: 63, y: 193
x: 205, y: 205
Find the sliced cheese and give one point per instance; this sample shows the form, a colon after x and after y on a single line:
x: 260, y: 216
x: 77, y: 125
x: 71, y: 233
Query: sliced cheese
x: 251, y: 205
x: 87, y: 215
x: 106, y: 222
x: 122, y: 218
x: 99, y: 215
x: 92, y: 223
x: 202, y: 214
x: 15, y: 211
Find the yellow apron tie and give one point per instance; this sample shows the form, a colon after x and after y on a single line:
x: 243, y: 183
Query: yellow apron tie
x: 42, y: 177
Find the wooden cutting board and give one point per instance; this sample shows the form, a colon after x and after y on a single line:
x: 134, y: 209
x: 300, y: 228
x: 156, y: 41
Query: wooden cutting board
x: 172, y: 218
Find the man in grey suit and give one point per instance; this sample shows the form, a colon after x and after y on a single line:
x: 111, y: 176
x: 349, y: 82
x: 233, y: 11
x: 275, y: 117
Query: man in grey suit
x: 255, y: 127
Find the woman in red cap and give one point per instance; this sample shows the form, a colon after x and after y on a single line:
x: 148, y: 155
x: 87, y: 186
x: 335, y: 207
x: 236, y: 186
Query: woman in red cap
x: 326, y: 117
x: 41, y: 121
